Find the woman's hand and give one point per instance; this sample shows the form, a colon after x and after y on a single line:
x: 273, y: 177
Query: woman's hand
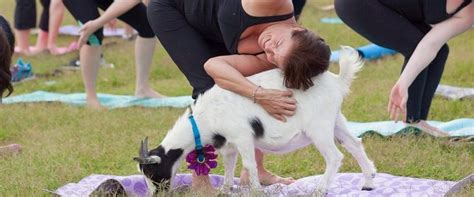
x: 112, y: 24
x: 87, y: 30
x: 277, y: 103
x: 398, y: 101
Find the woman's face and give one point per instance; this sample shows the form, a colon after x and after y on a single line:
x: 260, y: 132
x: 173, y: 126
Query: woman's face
x: 276, y: 41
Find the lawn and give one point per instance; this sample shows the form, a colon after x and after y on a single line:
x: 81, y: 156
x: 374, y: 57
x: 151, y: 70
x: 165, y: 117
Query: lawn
x: 64, y: 143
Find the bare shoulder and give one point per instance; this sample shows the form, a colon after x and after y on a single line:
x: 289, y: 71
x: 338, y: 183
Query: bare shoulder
x: 466, y: 14
x: 267, y: 7
x: 467, y: 11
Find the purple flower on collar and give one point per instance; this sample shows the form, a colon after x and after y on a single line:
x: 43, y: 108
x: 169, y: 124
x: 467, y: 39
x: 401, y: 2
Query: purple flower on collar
x: 205, y: 167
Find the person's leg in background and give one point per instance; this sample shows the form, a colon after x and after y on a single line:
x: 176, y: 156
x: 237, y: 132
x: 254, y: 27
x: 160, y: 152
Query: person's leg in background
x: 56, y: 15
x: 42, y: 40
x: 381, y: 25
x: 144, y: 49
x: 25, y: 20
x: 89, y: 55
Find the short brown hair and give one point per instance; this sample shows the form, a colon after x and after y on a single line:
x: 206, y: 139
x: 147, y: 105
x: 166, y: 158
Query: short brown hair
x: 308, y: 58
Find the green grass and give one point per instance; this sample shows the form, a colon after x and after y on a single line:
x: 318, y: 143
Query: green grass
x: 63, y: 143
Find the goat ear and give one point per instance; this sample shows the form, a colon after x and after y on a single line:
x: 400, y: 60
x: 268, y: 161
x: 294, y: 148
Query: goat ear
x: 154, y: 159
x: 148, y: 160
x: 139, y: 160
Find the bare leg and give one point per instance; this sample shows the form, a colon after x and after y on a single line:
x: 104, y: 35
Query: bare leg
x: 22, y: 39
x: 56, y: 15
x: 266, y: 177
x: 41, y: 43
x: 201, y: 183
x: 90, y: 61
x: 144, y: 49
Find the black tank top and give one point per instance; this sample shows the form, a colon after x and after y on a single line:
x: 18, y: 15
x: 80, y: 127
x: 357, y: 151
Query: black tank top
x: 222, y: 20
x: 427, y: 11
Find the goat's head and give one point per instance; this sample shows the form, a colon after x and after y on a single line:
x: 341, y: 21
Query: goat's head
x: 157, y: 165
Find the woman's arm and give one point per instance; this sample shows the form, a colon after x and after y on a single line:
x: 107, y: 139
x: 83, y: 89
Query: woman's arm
x: 432, y: 42
x: 229, y: 73
x: 117, y: 8
x: 424, y: 53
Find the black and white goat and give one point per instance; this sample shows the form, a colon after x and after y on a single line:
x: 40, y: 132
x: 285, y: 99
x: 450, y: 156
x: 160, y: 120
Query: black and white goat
x: 234, y: 124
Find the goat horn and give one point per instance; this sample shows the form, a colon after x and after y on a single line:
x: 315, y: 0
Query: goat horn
x: 143, y: 153
x: 146, y: 146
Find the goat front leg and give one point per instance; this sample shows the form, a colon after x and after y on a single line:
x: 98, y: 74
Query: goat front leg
x: 246, y: 149
x: 230, y: 157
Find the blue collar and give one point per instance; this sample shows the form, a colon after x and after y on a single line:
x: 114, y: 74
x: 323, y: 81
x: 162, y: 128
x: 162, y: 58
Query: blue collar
x: 197, y: 140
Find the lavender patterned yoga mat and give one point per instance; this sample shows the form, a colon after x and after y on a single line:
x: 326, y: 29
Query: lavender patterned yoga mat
x: 345, y: 184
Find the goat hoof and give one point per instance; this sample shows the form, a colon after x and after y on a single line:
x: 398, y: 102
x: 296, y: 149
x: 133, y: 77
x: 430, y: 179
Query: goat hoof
x: 367, y: 188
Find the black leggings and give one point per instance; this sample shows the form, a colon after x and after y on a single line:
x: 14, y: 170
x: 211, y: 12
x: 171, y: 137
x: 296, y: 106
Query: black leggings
x: 298, y: 7
x: 86, y: 10
x: 188, y: 48
x: 383, y: 26
x: 25, y: 15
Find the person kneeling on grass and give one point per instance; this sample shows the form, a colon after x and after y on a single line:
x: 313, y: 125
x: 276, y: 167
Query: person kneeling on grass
x: 7, y: 43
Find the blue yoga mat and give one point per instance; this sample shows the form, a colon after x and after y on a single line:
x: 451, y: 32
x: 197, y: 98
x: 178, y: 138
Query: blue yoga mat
x: 331, y: 20
x: 368, y: 52
x: 459, y: 127
x: 107, y: 100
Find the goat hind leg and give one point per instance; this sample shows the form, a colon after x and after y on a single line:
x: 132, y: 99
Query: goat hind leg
x: 356, y: 149
x: 324, y: 142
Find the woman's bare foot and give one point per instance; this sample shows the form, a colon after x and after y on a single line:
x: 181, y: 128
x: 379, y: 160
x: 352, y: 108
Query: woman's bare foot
x: 148, y: 93
x: 11, y: 149
x: 54, y: 50
x: 23, y: 51
x: 35, y: 50
x: 93, y: 103
x: 266, y: 178
x: 424, y: 126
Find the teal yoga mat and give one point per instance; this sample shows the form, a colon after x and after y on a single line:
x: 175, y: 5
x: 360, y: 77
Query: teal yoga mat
x: 459, y: 127
x: 107, y: 100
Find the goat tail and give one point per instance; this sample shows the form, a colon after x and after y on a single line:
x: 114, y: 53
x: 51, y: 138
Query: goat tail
x: 349, y: 64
